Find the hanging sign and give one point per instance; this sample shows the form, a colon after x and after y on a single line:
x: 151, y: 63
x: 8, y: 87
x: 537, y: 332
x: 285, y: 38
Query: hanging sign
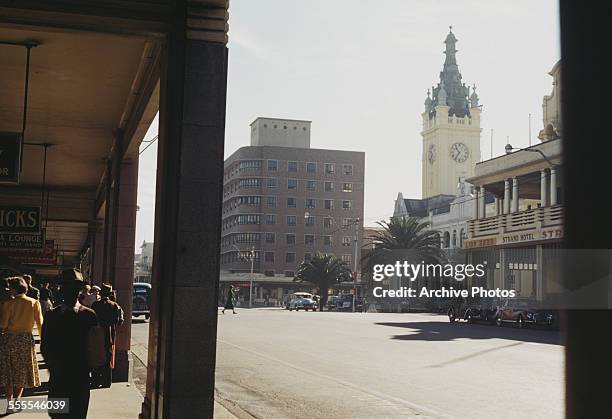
x: 18, y: 219
x: 10, y: 157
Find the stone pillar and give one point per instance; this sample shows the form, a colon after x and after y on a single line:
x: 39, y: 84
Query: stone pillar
x: 498, y: 205
x: 507, y: 196
x: 515, y: 195
x: 123, y: 248
x: 481, y: 203
x: 543, y: 188
x: 553, y: 186
x: 185, y: 279
x: 476, y: 199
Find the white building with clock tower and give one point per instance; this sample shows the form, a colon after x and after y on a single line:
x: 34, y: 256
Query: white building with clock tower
x: 451, y: 129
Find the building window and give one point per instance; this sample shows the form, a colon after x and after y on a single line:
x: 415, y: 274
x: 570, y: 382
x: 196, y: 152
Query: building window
x: 311, y: 167
x: 307, y: 257
x: 329, y: 204
x: 292, y: 166
x: 270, y: 219
x: 290, y: 238
x: 346, y: 240
x: 272, y: 165
x: 347, y: 187
x: 249, y: 164
x: 272, y: 182
x: 248, y: 219
x: 461, y: 237
x: 347, y: 258
x: 309, y: 239
x: 289, y: 274
x: 347, y: 169
x: 292, y: 183
x: 328, y: 222
x: 291, y: 220
x: 269, y: 256
x: 446, y: 239
x: 329, y: 168
x: 311, y: 185
x: 310, y: 221
x: 249, y: 183
x: 327, y: 240
x: 310, y: 203
x: 291, y: 202
x: 347, y: 222
x: 270, y: 237
x: 329, y: 186
x: 347, y: 205
x: 290, y: 257
x: 271, y: 202
x: 454, y: 238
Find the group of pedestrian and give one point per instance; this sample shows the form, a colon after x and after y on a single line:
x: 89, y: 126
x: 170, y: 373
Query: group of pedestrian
x: 66, y: 319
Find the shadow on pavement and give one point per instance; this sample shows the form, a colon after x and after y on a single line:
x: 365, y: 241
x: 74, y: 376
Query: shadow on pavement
x: 439, y: 331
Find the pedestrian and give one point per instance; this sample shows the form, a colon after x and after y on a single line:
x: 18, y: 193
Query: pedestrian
x: 33, y: 292
x: 64, y: 346
x: 92, y: 297
x: 5, y: 295
x: 229, y: 304
x: 110, y: 315
x: 46, y: 298
x: 17, y: 319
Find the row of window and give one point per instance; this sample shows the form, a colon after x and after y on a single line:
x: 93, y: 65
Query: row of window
x: 292, y: 166
x: 292, y: 184
x: 291, y: 202
x: 270, y: 257
x: 271, y: 219
x: 290, y: 238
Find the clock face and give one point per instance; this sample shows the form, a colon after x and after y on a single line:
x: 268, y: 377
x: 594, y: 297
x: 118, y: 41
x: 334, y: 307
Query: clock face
x: 459, y: 152
x: 431, y: 153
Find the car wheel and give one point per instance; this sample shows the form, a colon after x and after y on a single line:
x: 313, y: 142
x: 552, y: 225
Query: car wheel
x: 147, y: 316
x: 469, y: 317
x: 520, y: 322
x: 498, y: 321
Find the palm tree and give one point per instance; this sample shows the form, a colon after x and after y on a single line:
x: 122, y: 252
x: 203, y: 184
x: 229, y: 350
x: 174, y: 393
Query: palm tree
x: 323, y: 270
x: 404, y: 234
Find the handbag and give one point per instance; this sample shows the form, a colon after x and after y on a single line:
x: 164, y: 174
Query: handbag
x: 96, y: 348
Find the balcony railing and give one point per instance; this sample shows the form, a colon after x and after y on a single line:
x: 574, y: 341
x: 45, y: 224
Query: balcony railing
x: 526, y: 220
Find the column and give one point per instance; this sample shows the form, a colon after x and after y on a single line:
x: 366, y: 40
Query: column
x: 553, y: 186
x: 188, y: 216
x: 515, y: 195
x: 543, y: 188
x: 481, y: 203
x: 122, y: 255
x: 476, y: 199
x: 507, y: 196
x: 98, y: 253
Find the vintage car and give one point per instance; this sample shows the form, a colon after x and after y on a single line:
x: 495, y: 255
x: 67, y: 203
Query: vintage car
x: 141, y: 300
x: 302, y: 301
x: 523, y: 316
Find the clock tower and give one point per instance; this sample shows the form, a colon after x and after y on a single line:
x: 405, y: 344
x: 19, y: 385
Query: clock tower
x: 451, y: 129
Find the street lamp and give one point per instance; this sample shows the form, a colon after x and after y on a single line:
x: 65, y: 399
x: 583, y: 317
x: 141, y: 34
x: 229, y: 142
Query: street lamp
x: 356, y: 249
x: 252, y: 257
x: 510, y: 149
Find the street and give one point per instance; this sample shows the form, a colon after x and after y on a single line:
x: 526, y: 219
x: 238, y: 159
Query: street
x: 276, y: 363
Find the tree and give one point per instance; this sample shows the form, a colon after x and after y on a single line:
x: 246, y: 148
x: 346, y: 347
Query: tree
x: 404, y: 238
x: 323, y: 270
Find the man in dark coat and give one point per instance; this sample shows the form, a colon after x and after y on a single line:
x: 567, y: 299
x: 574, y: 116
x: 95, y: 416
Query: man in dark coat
x: 64, y: 345
x: 110, y: 315
x: 32, y: 291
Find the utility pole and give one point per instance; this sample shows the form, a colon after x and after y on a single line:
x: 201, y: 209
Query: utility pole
x: 356, y: 250
x: 251, y: 284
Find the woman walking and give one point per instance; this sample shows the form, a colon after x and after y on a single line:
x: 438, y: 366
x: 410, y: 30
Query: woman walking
x: 17, y: 319
x: 231, y: 297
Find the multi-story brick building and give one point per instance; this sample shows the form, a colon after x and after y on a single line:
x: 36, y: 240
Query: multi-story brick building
x: 285, y: 201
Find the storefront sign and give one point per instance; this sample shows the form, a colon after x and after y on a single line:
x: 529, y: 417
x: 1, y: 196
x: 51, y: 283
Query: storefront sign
x: 21, y: 241
x: 21, y: 220
x: 46, y: 255
x: 514, y: 238
x: 10, y: 157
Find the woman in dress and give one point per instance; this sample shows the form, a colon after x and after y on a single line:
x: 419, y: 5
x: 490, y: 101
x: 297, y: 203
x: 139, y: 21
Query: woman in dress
x: 5, y: 295
x: 17, y: 319
x: 229, y: 304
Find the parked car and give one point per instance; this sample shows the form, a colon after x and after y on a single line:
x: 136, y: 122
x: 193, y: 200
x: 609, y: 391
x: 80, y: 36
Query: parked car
x: 332, y: 302
x: 302, y: 301
x: 523, y: 316
x: 141, y: 300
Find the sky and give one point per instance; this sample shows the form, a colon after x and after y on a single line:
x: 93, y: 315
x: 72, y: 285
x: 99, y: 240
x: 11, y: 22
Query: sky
x: 360, y: 70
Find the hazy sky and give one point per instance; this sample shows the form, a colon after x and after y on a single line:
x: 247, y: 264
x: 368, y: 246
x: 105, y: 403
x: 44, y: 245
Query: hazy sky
x: 359, y: 70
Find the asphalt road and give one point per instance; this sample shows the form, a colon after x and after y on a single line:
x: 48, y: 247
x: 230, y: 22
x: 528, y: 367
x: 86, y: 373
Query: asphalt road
x: 274, y: 363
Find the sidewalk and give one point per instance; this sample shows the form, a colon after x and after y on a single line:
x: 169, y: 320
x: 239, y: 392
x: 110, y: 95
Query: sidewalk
x: 122, y: 400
